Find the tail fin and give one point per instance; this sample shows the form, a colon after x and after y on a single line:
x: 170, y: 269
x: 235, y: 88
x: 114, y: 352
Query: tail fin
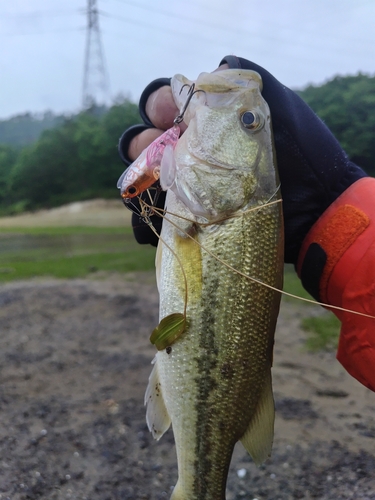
x: 259, y: 436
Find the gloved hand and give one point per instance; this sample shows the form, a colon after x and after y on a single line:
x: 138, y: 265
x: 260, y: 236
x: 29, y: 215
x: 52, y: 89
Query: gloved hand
x: 314, y: 170
x: 328, y: 208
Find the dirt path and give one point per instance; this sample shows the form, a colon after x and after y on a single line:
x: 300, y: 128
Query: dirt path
x: 75, y: 359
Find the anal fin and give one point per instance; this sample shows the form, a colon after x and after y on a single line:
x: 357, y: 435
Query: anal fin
x: 157, y: 417
x: 258, y: 437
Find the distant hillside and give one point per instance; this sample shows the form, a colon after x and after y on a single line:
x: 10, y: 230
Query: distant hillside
x: 347, y: 105
x: 73, y: 158
x: 49, y: 160
x: 22, y: 130
x: 26, y: 128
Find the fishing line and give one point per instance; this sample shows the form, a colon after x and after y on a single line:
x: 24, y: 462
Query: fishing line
x: 151, y: 226
x: 327, y: 306
x: 159, y: 212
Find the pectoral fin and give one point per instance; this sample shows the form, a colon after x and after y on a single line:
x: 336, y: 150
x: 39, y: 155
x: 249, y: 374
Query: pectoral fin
x: 258, y: 437
x: 157, y: 418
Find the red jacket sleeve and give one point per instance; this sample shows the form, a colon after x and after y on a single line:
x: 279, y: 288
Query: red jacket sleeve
x: 337, y: 259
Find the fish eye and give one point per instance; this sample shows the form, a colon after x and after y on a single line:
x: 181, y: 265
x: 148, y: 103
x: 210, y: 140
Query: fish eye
x: 251, y: 120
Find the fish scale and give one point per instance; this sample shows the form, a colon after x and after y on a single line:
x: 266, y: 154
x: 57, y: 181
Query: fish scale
x: 215, y: 379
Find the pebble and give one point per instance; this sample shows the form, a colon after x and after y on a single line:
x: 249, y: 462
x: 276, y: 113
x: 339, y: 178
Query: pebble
x: 241, y: 473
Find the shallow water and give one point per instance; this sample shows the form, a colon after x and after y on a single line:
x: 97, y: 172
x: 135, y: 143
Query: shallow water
x: 15, y: 245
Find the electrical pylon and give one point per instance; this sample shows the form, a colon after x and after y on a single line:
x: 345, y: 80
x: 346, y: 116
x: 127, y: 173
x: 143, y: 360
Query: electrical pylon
x: 95, y: 77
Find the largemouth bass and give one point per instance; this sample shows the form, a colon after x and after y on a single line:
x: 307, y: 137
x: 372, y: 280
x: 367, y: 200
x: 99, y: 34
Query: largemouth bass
x: 224, y: 222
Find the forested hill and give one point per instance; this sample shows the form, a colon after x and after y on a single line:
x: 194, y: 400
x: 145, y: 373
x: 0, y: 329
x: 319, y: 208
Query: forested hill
x: 73, y: 158
x: 22, y: 130
x: 347, y: 106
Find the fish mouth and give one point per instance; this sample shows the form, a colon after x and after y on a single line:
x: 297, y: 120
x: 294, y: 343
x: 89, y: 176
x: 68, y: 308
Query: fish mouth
x: 209, y: 161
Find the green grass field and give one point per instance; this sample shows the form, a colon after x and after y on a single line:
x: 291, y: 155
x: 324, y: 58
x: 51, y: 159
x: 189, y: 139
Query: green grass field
x: 76, y: 252
x: 292, y: 284
x: 323, y: 330
x: 70, y: 252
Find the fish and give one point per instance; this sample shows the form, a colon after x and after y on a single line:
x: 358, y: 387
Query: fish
x: 219, y: 266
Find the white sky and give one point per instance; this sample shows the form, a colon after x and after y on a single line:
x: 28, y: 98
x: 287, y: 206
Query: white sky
x: 299, y: 41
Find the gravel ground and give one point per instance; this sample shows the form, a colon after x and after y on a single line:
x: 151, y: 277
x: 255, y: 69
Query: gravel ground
x: 75, y: 359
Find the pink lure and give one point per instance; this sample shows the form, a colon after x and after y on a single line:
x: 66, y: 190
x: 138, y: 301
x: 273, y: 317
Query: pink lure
x: 145, y: 170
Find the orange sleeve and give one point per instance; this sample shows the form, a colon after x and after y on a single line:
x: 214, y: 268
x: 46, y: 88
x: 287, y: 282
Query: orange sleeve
x: 337, y: 261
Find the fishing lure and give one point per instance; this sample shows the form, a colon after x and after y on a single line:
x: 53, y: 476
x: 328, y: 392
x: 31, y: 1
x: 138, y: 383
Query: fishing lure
x: 145, y: 170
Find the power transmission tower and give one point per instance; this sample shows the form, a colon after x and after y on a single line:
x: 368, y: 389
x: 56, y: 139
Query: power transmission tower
x: 95, y: 77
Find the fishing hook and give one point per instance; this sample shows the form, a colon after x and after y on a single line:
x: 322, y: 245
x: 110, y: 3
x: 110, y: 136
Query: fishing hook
x: 144, y: 210
x: 179, y: 118
x: 130, y: 205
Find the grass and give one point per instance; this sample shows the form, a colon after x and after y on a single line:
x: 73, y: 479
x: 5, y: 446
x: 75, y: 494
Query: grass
x: 323, y: 331
x: 76, y: 252
x: 70, y: 252
x: 65, y: 230
x: 292, y: 284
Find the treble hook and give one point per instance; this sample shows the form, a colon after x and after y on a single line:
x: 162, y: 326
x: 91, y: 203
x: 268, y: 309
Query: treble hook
x: 142, y: 208
x: 179, y: 118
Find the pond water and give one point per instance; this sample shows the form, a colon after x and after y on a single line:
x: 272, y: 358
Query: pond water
x: 15, y: 245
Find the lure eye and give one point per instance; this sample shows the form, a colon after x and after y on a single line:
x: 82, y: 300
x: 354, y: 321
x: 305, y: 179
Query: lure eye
x: 251, y: 120
x: 132, y: 190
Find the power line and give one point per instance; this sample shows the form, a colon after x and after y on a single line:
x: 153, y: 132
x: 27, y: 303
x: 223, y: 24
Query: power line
x: 203, y: 22
x: 53, y: 32
x: 36, y: 13
x: 94, y: 67
x: 216, y: 42
x: 223, y: 28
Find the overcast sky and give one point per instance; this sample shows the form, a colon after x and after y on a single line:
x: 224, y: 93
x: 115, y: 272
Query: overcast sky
x: 299, y: 41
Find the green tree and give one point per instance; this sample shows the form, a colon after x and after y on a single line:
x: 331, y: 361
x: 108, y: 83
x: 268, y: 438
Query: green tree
x: 8, y: 158
x: 43, y: 170
x: 347, y: 106
x: 24, y: 129
x: 121, y: 116
x: 77, y: 160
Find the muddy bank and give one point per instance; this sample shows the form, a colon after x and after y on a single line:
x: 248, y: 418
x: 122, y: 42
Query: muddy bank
x: 75, y: 359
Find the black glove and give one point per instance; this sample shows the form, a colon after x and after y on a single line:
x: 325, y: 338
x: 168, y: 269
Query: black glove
x: 142, y: 232
x: 314, y: 170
